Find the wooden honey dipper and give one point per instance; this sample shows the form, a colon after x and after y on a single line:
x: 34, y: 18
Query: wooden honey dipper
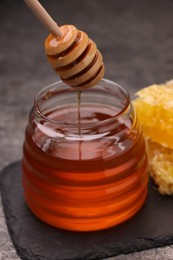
x: 73, y: 56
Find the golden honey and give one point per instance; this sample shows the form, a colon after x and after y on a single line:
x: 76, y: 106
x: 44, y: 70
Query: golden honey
x: 86, y: 176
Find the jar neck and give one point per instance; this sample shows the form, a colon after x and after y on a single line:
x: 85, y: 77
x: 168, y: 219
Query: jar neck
x: 102, y: 111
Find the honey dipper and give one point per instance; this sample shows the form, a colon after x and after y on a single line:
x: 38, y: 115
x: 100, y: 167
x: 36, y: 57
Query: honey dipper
x: 73, y: 56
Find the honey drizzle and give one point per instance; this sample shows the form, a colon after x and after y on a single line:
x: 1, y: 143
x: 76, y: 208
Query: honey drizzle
x: 78, y: 93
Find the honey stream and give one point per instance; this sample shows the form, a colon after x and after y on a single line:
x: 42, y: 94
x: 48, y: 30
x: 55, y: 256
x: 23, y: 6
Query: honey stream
x: 78, y: 93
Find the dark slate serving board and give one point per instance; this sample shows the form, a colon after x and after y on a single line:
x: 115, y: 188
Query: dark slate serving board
x: 151, y: 227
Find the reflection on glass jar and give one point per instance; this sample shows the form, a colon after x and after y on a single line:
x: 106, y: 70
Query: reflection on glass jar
x: 84, y: 169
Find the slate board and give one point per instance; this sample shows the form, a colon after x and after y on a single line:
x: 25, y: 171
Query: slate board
x: 151, y: 227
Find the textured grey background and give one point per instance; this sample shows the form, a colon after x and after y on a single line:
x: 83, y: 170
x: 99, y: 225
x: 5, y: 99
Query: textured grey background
x: 135, y: 38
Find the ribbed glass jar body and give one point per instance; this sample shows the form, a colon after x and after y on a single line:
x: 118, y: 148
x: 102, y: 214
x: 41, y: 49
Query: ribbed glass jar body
x: 84, y: 169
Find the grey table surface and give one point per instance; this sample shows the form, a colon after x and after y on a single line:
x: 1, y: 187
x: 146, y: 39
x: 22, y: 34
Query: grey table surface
x: 135, y: 38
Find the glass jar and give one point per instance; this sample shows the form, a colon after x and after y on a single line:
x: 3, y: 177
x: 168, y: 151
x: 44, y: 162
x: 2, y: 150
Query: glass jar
x: 84, y: 163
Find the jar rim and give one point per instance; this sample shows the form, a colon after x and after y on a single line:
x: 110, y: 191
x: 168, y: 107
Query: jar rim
x: 82, y: 124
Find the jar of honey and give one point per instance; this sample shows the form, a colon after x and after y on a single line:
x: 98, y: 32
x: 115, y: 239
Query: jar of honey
x: 84, y: 162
